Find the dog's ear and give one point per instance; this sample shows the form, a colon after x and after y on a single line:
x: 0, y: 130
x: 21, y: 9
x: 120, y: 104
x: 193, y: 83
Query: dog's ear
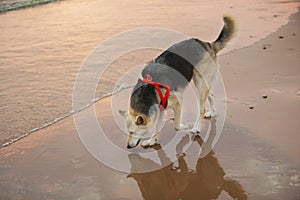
x: 140, y: 120
x: 123, y: 113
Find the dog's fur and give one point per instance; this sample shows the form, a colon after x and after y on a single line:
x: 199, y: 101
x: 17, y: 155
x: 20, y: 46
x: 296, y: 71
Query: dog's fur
x: 177, y: 66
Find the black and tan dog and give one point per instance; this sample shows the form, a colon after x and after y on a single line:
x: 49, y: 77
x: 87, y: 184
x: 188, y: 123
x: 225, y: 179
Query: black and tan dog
x: 164, y: 80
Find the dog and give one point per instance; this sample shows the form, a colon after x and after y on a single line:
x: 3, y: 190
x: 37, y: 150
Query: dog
x: 164, y: 80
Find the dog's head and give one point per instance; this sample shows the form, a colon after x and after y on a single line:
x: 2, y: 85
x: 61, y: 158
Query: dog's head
x: 138, y: 124
x: 142, y: 114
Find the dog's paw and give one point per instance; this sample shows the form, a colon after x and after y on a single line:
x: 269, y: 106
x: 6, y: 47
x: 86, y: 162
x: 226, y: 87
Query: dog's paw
x: 195, y: 131
x: 209, y: 114
x: 148, y: 143
x: 181, y: 127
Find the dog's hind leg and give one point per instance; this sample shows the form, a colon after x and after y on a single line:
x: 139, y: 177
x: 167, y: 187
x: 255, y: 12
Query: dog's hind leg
x: 202, y: 93
x: 212, y: 106
x: 196, y: 127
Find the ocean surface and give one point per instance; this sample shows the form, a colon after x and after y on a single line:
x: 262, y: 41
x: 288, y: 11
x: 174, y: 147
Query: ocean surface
x: 42, y: 48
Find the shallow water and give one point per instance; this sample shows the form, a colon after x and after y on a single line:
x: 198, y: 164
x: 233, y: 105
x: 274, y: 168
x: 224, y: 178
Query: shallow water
x: 43, y: 47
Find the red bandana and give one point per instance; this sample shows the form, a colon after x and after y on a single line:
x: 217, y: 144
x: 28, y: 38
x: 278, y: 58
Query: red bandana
x: 164, y: 99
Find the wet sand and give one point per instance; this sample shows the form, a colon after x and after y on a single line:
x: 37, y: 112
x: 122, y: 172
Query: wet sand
x: 266, y: 76
x: 36, y: 86
x: 255, y: 158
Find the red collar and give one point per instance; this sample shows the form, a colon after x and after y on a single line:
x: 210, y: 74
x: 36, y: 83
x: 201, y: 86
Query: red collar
x: 164, y: 99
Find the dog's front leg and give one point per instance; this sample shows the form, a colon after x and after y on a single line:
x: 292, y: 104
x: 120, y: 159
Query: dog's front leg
x: 177, y: 117
x: 153, y: 139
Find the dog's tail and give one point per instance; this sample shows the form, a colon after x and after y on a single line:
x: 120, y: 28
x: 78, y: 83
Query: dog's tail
x: 226, y: 34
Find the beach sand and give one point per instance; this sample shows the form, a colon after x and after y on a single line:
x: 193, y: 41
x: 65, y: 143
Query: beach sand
x: 266, y: 76
x: 256, y: 156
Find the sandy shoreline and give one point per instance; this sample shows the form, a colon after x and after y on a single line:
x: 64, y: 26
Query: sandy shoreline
x: 35, y: 98
x: 258, y: 145
x: 268, y: 68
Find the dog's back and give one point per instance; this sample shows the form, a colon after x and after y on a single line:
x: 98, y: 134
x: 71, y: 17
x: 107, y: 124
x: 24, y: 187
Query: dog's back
x: 175, y: 66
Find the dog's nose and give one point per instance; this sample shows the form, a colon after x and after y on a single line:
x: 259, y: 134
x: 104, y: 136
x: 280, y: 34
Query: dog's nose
x: 132, y: 145
x: 130, y: 132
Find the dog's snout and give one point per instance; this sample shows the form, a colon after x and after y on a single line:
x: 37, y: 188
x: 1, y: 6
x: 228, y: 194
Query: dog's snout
x: 129, y: 147
x: 131, y: 132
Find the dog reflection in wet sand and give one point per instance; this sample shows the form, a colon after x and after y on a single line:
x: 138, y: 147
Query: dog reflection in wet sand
x: 167, y: 183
